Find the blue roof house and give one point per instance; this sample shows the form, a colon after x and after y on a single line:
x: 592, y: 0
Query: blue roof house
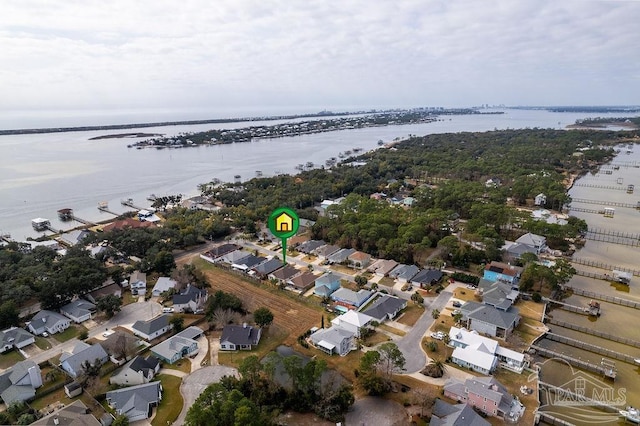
x: 327, y: 284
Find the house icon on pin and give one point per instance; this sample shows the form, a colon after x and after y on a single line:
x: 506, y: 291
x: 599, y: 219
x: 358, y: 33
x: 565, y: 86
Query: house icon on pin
x: 284, y: 222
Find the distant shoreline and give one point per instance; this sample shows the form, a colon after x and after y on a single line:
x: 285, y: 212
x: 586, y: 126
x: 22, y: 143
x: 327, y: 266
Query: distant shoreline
x: 126, y: 135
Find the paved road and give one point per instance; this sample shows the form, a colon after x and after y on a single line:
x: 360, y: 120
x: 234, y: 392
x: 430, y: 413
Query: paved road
x: 411, y: 343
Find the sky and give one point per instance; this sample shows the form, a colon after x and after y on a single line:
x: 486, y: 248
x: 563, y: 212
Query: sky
x: 316, y: 54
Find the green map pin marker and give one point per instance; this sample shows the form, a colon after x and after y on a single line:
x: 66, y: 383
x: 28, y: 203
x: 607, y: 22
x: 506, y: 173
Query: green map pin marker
x: 284, y: 223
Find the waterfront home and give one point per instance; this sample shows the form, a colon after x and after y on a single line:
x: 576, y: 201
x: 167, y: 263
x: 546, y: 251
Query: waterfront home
x: 152, y: 328
x: 163, y: 284
x: 498, y: 271
x: 445, y: 414
x: 490, y: 321
x: 239, y: 337
x: 74, y: 237
x: 301, y: 282
x: 48, y: 322
x: 403, y: 273
x: 514, y: 251
x: 385, y: 307
x: 499, y: 294
x: 191, y: 299
x: 135, y: 402
x: 326, y: 284
x: 334, y: 340
x: 427, y: 278
x: 137, y: 371
x: 540, y: 200
x: 346, y: 299
x: 15, y: 338
x: 19, y: 383
x: 538, y: 242
x: 138, y: 283
x: 183, y: 344
x: 353, y: 321
x: 79, y: 310
x: 74, y: 414
x: 487, y: 395
x: 382, y: 267
x: 263, y: 270
x: 127, y: 223
x: 359, y: 260
x: 74, y: 362
x: 482, y: 354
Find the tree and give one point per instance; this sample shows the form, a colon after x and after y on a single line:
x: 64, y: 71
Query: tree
x: 435, y: 368
x: 177, y: 321
x: 368, y: 376
x: 9, y: 314
x: 218, y: 406
x: 457, y: 317
x: 121, y: 420
x: 417, y: 298
x: 222, y: 317
x: 435, y: 314
x: 391, y: 359
x: 361, y: 281
x: 163, y: 263
x: 263, y: 317
x: 109, y: 304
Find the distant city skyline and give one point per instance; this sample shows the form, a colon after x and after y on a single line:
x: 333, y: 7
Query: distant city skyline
x: 246, y: 55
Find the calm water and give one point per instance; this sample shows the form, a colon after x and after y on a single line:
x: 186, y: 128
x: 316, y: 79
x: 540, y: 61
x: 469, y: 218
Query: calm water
x: 40, y: 174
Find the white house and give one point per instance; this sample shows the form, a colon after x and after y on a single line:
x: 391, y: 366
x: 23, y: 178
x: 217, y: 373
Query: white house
x: 79, y: 310
x: 482, y: 354
x: 138, y: 283
x: 136, y: 402
x: 540, y: 200
x: 183, y: 344
x: 19, y: 383
x: 352, y: 321
x: 137, y: 371
x: 14, y: 337
x: 73, y: 362
x: 152, y: 328
x: 163, y: 284
x: 334, y: 340
x: 48, y: 322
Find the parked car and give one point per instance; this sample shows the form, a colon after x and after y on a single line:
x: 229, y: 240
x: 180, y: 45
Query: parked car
x: 456, y: 304
x: 438, y: 335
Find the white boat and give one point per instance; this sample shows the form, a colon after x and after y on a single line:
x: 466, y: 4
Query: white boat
x: 637, y: 360
x: 631, y: 414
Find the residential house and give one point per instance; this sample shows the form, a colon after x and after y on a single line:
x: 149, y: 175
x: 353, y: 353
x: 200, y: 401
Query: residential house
x: 152, y: 328
x: 14, y: 337
x: 493, y: 182
x: 301, y: 282
x: 183, y: 344
x: 427, y: 278
x: 514, y: 251
x: 326, y: 284
x: 218, y: 251
x: 341, y: 256
x: 73, y: 362
x: 239, y: 337
x: 325, y: 251
x: 487, y: 395
x: 310, y: 246
x: 359, y: 260
x: 248, y: 262
x: 79, y: 310
x: 48, y: 322
x: 263, y: 270
x: 499, y: 294
x: 127, y: 223
x: 120, y: 345
x: 498, y: 271
x: 74, y: 414
x: 111, y: 289
x: 232, y: 257
x: 74, y: 237
x: 19, y: 383
x: 348, y: 299
x: 385, y: 307
x: 135, y: 402
x: 538, y: 242
x: 493, y: 322
x: 137, y: 371
x: 482, y: 354
x: 445, y: 414
x: 382, y: 267
x: 404, y: 273
x: 191, y: 299
x: 138, y: 283
x: 540, y: 200
x: 353, y: 321
x: 334, y: 340
x: 284, y: 274
x: 163, y: 284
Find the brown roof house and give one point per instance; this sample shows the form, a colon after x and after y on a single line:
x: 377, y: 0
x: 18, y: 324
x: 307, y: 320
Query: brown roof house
x: 301, y: 282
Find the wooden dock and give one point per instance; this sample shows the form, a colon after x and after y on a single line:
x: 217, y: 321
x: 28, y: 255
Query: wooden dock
x: 602, y: 265
x: 569, y: 307
x: 592, y: 332
x: 603, y: 297
x: 590, y: 347
x: 549, y: 419
x: 582, y: 210
x: 129, y: 203
x: 591, y: 185
x: 606, y: 203
x: 83, y: 221
x: 605, y: 371
x: 577, y: 397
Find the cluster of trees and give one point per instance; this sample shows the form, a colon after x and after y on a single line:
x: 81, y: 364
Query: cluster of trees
x: 261, y: 393
x: 377, y: 367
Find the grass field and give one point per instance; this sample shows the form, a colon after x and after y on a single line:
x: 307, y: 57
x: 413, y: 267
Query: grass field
x: 10, y: 358
x: 69, y: 333
x: 171, y: 404
x: 183, y: 365
x: 411, y: 314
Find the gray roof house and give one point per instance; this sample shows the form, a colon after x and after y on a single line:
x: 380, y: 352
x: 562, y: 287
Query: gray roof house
x: 326, y: 250
x: 181, y: 345
x: 404, y: 273
x: 219, y: 251
x: 190, y: 299
x: 111, y: 289
x: 72, y: 362
x: 341, y: 255
x: 310, y: 246
x: 351, y: 299
x: 19, y: 383
x: 15, y: 338
x: 138, y: 283
x: 163, y: 284
x: 493, y: 322
x: 233, y: 256
x: 74, y: 414
x: 137, y: 371
x: 500, y: 295
x: 48, y: 321
x: 538, y: 242
x: 427, y: 277
x: 284, y: 274
x: 385, y: 307
x: 487, y: 395
x: 445, y: 414
x: 79, y: 310
x: 239, y: 337
x: 152, y: 328
x: 136, y: 402
x: 248, y: 262
x: 265, y: 268
x: 334, y: 340
x: 382, y: 267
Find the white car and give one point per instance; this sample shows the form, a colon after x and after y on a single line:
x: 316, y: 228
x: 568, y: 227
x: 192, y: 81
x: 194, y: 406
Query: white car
x: 438, y: 335
x: 45, y: 334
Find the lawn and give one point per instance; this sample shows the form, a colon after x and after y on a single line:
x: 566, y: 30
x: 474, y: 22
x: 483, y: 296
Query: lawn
x: 512, y: 381
x: 171, y: 404
x: 10, y: 358
x: 443, y: 323
x: 465, y: 294
x: 69, y: 333
x: 411, y: 314
x: 270, y: 340
x: 376, y: 338
x: 345, y: 365
x: 128, y: 298
x: 392, y: 330
x: 183, y: 365
x: 43, y: 343
x: 389, y: 282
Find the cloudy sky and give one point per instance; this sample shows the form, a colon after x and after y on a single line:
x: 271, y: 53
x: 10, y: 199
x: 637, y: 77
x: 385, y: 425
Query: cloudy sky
x: 251, y: 54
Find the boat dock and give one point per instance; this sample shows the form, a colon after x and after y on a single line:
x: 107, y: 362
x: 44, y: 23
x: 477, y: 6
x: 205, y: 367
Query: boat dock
x: 591, y: 185
x: 605, y: 369
x: 103, y: 206
x: 592, y: 332
x: 590, y: 347
x: 549, y: 419
x: 606, y: 203
x: 573, y: 396
x: 591, y: 310
x: 129, y: 203
x: 603, y: 297
x: 601, y: 265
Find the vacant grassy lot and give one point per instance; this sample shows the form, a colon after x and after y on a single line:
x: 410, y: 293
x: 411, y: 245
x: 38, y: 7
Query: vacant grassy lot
x: 411, y: 314
x: 171, y: 404
x: 391, y: 330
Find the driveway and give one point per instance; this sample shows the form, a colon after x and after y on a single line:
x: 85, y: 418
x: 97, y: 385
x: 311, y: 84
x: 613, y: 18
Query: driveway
x: 195, y: 383
x: 411, y: 343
